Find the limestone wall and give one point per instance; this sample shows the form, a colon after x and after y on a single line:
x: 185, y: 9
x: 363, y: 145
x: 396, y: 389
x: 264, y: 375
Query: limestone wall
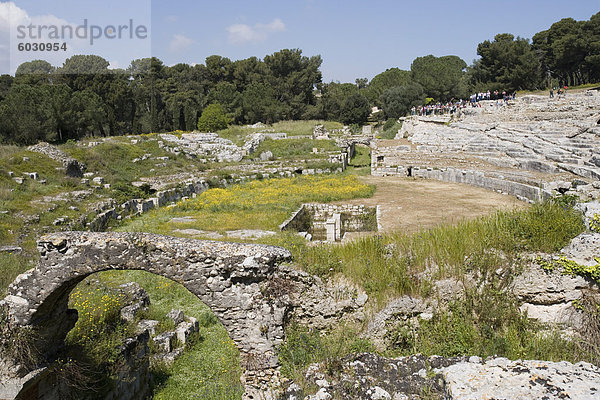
x: 313, y: 217
x: 521, y: 191
x: 140, y: 206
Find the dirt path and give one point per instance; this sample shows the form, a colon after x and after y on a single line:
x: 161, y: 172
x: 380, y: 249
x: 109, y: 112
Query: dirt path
x: 409, y: 205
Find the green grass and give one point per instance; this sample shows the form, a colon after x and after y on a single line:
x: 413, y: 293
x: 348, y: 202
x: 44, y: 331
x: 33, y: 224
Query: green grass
x: 304, y: 347
x: 296, y: 148
x: 390, y: 265
x: 487, y: 322
x: 360, y: 164
x: 301, y: 128
x: 23, y: 203
x: 254, y: 205
x: 240, y: 134
x: 390, y: 129
x: 11, y: 265
x: 113, y: 160
x: 208, y: 369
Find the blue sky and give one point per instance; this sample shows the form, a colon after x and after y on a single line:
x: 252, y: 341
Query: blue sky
x: 354, y: 38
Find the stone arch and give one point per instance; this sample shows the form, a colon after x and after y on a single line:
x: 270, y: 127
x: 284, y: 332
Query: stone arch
x: 231, y: 278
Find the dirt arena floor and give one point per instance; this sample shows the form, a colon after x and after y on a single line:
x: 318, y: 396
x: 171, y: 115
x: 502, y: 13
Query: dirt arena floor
x: 409, y: 205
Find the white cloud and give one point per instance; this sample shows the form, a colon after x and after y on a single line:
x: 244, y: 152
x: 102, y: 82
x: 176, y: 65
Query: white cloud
x: 180, y: 43
x: 12, y: 16
x: 243, y: 33
x: 171, y: 18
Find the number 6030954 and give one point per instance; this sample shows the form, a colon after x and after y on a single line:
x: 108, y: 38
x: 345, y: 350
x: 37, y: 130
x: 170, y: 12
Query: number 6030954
x: 35, y: 46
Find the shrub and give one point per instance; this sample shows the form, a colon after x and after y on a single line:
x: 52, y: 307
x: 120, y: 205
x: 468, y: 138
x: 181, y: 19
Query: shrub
x: 213, y: 118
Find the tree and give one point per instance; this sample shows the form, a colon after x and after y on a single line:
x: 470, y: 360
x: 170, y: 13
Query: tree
x: 213, y: 118
x: 506, y: 64
x: 570, y: 50
x: 259, y: 104
x: 440, y: 77
x: 26, y: 116
x: 333, y: 96
x: 361, y: 83
x: 293, y: 77
x: 247, y: 71
x: 226, y: 94
x: 355, y: 109
x: 6, y: 81
x: 398, y: 101
x: 34, y: 72
x: 148, y: 90
x: 390, y: 78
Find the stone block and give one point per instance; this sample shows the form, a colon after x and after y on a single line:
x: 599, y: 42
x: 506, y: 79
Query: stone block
x: 149, y: 325
x: 164, y: 341
x: 176, y: 316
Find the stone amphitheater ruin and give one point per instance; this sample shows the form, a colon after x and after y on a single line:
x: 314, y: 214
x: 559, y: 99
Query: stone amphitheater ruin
x: 532, y: 148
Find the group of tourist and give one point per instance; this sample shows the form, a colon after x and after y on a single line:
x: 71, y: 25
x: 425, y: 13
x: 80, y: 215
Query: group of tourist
x: 495, y: 95
x: 561, y: 93
x: 453, y: 106
x: 439, y: 108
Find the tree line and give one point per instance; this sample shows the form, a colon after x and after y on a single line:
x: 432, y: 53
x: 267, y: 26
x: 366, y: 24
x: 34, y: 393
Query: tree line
x: 84, y: 97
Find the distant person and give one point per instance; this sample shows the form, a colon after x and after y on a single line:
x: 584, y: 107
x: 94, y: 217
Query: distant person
x: 551, y: 93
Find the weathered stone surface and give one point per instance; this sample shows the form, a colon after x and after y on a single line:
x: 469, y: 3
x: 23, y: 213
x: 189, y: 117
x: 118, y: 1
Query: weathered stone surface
x: 72, y: 166
x: 138, y: 300
x: 402, y: 308
x: 176, y: 316
x: 531, y: 141
x: 319, y: 132
x: 230, y: 278
x: 266, y: 155
x: 149, y: 325
x: 208, y: 145
x: 548, y: 295
x: 501, y: 378
x: 584, y: 248
x: 368, y: 376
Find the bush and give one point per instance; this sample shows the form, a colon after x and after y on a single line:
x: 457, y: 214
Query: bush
x: 389, y: 124
x: 397, y: 101
x: 123, y: 192
x: 390, y: 128
x: 213, y: 118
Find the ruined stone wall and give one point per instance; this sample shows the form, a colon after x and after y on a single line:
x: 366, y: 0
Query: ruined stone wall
x: 72, y: 166
x: 312, y: 218
x: 243, y: 284
x: 232, y: 279
x: 141, y: 206
x: 521, y: 191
